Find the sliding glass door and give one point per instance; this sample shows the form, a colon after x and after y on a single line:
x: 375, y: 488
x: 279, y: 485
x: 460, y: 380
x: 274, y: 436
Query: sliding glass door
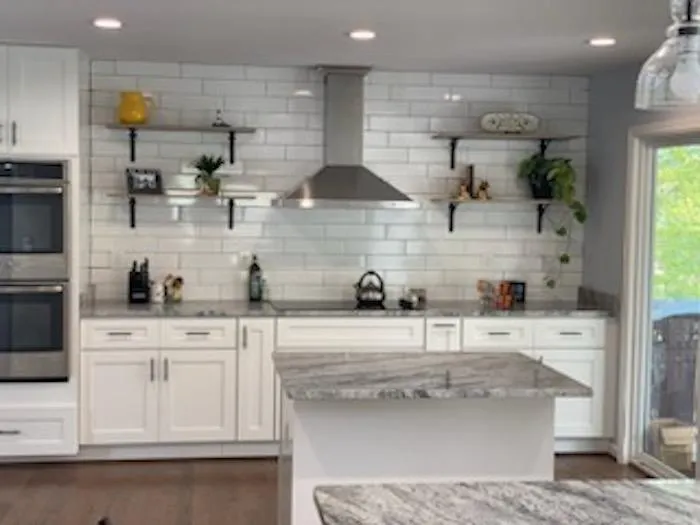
x: 669, y: 363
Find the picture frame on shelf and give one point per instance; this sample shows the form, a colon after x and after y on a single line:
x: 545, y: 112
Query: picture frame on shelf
x: 144, y: 181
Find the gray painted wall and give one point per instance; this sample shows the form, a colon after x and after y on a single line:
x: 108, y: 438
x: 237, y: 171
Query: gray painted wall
x: 611, y: 114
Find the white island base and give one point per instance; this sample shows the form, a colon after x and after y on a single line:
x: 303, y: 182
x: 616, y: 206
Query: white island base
x: 333, y: 442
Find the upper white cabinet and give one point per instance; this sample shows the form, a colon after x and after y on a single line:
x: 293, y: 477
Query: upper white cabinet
x: 442, y: 334
x: 358, y: 334
x: 39, y: 98
x: 256, y: 380
x: 197, y: 395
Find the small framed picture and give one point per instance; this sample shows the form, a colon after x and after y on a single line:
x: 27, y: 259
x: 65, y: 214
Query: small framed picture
x: 144, y: 181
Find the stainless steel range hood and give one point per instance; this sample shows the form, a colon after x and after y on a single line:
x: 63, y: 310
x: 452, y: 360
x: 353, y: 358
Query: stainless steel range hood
x: 344, y: 181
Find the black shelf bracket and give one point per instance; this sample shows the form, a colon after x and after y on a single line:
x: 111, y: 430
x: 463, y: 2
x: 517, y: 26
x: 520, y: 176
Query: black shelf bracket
x: 133, y: 135
x: 541, y: 210
x: 231, y: 211
x: 132, y: 212
x: 453, y: 152
x: 544, y: 144
x: 452, y: 207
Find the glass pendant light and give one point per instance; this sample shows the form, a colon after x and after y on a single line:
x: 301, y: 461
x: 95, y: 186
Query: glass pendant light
x: 670, y: 78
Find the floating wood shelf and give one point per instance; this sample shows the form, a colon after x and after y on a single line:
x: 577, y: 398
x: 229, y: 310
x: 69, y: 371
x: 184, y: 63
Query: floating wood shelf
x: 453, y: 204
x: 134, y: 130
x: 543, y: 138
x: 227, y: 197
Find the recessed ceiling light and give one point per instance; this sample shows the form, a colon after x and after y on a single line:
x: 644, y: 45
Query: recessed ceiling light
x: 603, y: 41
x: 452, y: 97
x: 303, y: 93
x: 107, y: 23
x: 362, y: 34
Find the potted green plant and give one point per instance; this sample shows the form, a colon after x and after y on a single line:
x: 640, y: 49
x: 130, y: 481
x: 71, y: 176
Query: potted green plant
x: 555, y: 179
x: 207, y: 181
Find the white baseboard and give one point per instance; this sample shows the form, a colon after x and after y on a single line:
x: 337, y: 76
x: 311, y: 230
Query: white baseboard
x: 156, y: 452
x: 582, y: 446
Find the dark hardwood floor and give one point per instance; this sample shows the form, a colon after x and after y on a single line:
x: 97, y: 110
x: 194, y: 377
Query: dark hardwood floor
x: 202, y: 492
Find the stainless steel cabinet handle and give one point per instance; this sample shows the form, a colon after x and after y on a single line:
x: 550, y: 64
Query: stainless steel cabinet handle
x: 499, y: 333
x: 444, y: 325
x: 10, y: 432
x: 166, y: 369
x: 571, y: 333
x: 31, y: 190
x: 244, y: 338
x: 14, y: 132
x: 153, y: 370
x: 120, y: 334
x: 194, y: 334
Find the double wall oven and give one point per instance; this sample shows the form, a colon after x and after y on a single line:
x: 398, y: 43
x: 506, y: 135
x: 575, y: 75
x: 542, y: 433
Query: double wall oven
x: 33, y: 271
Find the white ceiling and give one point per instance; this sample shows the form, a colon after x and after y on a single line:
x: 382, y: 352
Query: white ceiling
x: 519, y: 36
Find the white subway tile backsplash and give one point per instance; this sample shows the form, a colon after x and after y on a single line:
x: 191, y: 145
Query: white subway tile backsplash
x: 320, y: 253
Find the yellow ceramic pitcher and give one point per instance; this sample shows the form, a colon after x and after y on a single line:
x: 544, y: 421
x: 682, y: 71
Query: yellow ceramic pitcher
x: 133, y: 108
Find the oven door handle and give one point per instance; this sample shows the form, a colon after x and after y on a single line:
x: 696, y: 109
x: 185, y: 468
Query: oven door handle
x: 31, y: 190
x: 41, y: 288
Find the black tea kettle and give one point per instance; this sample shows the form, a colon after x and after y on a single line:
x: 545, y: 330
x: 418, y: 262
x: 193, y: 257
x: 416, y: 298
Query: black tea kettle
x: 369, y: 291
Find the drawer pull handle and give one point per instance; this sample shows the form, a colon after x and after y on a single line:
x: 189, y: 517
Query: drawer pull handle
x: 197, y: 334
x: 120, y: 334
x: 499, y: 333
x: 444, y: 325
x: 573, y: 334
x: 10, y: 432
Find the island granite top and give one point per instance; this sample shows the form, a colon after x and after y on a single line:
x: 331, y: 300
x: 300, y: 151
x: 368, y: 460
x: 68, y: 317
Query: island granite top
x: 224, y: 309
x: 561, y: 503
x: 438, y: 375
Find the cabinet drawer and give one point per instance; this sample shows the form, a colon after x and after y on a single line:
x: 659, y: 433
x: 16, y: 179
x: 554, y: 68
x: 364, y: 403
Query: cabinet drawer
x: 443, y: 334
x: 45, y: 431
x: 496, y: 333
x: 120, y: 333
x: 570, y: 333
x: 199, y: 333
x: 361, y: 334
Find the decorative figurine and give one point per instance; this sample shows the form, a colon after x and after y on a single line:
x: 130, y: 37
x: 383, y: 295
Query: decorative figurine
x: 463, y: 193
x: 219, y: 121
x: 483, y: 192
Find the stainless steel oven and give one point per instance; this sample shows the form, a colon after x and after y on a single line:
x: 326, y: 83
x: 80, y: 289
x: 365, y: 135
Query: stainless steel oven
x: 33, y: 219
x: 33, y: 332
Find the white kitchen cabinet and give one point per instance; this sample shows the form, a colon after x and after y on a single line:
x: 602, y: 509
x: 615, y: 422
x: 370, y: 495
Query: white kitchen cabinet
x: 119, y: 397
x: 197, y: 395
x: 357, y: 334
x: 199, y: 333
x: 443, y: 334
x: 579, y: 417
x: 4, y: 128
x: 120, y: 334
x: 41, y: 98
x: 569, y: 333
x: 498, y: 333
x: 256, y: 380
x: 47, y: 430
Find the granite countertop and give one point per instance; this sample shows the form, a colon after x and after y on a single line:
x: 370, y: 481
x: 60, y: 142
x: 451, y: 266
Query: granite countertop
x: 325, y: 309
x: 441, y: 375
x: 555, y: 503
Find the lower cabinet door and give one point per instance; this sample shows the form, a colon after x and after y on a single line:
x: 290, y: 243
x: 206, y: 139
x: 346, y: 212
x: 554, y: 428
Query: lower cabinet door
x: 579, y: 417
x: 119, y: 397
x: 256, y: 380
x: 197, y: 395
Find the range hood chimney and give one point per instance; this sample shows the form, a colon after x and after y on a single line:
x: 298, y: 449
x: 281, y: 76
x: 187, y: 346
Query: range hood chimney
x: 344, y: 181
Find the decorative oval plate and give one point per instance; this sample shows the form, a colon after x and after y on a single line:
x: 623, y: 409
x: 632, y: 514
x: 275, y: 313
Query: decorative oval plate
x: 510, y: 123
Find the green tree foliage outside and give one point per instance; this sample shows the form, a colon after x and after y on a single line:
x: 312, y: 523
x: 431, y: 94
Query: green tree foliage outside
x: 677, y: 224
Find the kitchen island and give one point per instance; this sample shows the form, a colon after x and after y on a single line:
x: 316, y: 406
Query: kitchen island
x: 412, y: 417
x: 564, y: 502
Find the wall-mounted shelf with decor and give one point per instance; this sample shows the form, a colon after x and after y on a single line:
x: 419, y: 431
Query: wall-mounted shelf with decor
x: 453, y: 204
x: 543, y: 139
x: 135, y: 130
x: 185, y: 196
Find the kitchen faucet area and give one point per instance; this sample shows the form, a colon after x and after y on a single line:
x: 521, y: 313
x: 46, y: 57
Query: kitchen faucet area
x: 330, y: 264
